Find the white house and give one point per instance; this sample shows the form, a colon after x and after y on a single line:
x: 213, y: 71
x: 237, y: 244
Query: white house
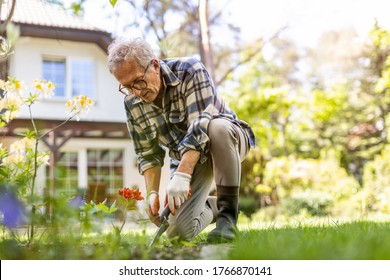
x: 94, y: 155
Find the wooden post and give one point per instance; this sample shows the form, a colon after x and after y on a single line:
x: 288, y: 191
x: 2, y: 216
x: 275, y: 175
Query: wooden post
x: 54, y: 148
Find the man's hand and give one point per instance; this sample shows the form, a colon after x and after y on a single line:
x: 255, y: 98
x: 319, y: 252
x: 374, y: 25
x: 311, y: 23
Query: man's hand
x: 178, y: 190
x: 153, y: 207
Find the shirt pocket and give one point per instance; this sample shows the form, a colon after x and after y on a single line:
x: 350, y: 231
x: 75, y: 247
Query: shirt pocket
x: 178, y: 123
x: 149, y: 131
x: 177, y: 113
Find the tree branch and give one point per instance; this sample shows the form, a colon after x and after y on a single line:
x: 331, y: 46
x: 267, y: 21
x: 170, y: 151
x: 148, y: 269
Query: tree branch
x: 4, y: 24
x: 248, y: 58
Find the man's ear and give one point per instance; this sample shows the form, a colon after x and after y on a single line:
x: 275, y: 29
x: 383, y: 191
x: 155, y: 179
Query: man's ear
x: 156, y: 65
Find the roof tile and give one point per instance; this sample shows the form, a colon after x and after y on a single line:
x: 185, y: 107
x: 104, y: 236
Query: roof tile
x: 40, y: 12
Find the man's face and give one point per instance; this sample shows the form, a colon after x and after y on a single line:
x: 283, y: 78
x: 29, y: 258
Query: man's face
x: 142, y: 82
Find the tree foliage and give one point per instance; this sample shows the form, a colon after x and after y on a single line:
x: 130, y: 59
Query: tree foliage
x: 341, y: 115
x: 75, y: 7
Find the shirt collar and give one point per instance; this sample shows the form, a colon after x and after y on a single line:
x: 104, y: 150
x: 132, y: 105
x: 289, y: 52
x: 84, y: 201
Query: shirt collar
x: 168, y: 78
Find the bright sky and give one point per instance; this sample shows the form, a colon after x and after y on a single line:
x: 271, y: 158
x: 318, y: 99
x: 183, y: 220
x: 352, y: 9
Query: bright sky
x: 262, y: 18
x: 307, y: 18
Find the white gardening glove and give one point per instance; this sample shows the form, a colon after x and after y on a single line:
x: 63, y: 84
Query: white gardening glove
x: 153, y: 201
x: 178, y: 190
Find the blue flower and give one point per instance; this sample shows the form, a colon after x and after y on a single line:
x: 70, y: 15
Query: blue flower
x: 12, y: 209
x: 76, y: 202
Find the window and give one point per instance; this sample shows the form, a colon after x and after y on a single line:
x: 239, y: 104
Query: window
x: 104, y: 173
x: 65, y: 173
x: 82, y: 78
x: 80, y: 72
x: 55, y: 70
x: 105, y: 168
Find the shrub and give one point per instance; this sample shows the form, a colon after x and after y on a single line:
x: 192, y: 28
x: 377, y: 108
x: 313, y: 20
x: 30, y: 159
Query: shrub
x: 376, y: 183
x: 316, y: 203
x: 288, y: 175
x: 248, y: 205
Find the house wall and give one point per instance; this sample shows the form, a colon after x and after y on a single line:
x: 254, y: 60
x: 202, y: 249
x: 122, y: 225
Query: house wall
x: 26, y: 65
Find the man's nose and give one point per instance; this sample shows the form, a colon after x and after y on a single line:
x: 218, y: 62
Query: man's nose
x: 137, y: 92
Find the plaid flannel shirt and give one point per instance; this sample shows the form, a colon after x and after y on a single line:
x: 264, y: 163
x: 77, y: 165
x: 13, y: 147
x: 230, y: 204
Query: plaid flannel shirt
x: 190, y: 102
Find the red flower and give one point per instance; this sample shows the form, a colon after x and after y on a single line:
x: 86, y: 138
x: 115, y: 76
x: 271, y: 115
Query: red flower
x: 128, y: 193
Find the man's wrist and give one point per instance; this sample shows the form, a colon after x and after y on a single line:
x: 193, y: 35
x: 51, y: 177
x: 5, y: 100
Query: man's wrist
x: 182, y: 175
x: 152, y: 192
x: 188, y: 162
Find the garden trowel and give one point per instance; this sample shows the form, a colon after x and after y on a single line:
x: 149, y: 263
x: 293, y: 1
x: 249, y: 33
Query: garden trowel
x: 163, y: 226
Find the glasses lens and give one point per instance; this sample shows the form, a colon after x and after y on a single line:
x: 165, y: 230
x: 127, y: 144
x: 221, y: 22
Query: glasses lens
x: 124, y: 90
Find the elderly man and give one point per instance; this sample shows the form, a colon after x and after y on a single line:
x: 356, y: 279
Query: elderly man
x: 173, y: 103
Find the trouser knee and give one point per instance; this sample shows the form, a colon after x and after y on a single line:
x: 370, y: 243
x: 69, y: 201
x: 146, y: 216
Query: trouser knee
x: 220, y: 131
x: 184, y: 229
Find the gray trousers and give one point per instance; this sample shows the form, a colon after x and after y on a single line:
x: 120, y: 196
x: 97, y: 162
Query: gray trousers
x: 229, y: 146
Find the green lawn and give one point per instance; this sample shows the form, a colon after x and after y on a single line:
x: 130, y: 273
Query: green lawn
x: 363, y: 240
x: 349, y: 241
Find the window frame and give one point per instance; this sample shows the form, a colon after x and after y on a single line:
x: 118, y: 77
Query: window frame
x: 68, y: 84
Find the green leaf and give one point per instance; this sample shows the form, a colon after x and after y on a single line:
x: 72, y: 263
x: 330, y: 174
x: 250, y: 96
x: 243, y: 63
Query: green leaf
x: 117, y: 231
x: 77, y: 9
x: 103, y: 208
x: 89, y: 206
x: 113, y: 208
x: 113, y: 2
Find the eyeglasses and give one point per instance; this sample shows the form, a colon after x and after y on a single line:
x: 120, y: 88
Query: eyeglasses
x: 140, y: 84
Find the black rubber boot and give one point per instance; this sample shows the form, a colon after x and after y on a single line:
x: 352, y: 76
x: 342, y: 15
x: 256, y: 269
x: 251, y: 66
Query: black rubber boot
x: 227, y: 202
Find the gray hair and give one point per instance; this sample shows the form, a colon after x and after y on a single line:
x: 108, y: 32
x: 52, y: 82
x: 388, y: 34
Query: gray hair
x: 122, y: 49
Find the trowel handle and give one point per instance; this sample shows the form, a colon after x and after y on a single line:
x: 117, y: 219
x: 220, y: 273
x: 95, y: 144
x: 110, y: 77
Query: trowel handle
x: 164, y: 215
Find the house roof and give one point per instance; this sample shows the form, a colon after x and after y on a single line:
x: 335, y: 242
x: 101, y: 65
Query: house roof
x: 38, y: 18
x: 40, y: 12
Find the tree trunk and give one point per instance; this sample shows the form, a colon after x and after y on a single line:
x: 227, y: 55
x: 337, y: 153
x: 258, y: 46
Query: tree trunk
x: 206, y: 54
x: 3, y: 33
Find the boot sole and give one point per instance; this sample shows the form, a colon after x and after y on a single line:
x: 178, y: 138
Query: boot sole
x: 220, y: 238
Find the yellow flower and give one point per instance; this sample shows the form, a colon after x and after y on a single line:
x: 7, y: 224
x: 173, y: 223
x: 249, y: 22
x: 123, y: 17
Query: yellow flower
x: 43, y: 159
x: 18, y: 85
x: 3, y: 104
x: 17, y: 147
x: 13, y: 159
x: 79, y: 106
x: 10, y: 115
x: 45, y: 89
x: 14, y: 86
x: 22, y: 145
x: 50, y: 86
x: 11, y: 102
x: 82, y: 101
x: 38, y: 85
x: 28, y: 143
x: 11, y: 105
